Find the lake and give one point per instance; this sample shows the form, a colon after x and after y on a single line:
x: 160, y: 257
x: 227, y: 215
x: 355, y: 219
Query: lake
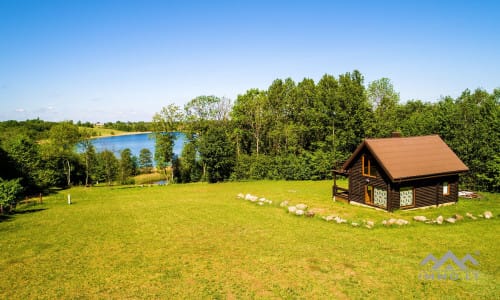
x: 135, y: 142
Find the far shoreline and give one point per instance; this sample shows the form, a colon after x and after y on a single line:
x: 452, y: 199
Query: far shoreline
x: 120, y: 133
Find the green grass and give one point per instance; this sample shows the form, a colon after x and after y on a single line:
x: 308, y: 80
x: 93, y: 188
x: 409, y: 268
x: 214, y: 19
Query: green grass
x: 199, y: 241
x: 149, y: 178
x: 103, y: 132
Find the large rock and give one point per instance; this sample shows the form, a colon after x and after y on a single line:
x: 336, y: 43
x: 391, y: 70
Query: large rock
x: 420, y: 218
x: 439, y: 220
x: 370, y: 224
x: 458, y: 217
x: 241, y: 196
x: 401, y: 222
x: 310, y: 213
x: 339, y: 220
x: 451, y: 220
x: 329, y: 218
x: 292, y: 209
x: 251, y: 198
x: 301, y: 206
x: 391, y: 221
x: 284, y: 203
x: 299, y: 212
x: 488, y: 215
x: 469, y: 215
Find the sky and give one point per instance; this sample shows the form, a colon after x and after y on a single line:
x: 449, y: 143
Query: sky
x: 104, y: 61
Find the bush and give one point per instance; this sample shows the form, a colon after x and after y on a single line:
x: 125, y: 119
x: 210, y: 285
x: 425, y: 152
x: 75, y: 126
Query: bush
x: 9, y: 192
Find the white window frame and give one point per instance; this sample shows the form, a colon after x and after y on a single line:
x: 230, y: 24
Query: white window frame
x: 404, y: 190
x: 446, y: 188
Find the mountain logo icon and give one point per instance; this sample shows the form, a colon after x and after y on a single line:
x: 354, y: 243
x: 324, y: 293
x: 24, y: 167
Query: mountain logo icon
x: 449, y: 256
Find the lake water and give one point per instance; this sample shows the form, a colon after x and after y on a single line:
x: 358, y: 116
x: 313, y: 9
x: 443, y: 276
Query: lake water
x: 135, y: 142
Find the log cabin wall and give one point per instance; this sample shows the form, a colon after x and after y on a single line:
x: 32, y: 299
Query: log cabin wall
x: 358, y: 181
x: 427, y: 192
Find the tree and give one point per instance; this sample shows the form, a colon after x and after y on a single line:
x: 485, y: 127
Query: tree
x: 25, y: 156
x: 107, y: 167
x: 146, y: 160
x: 249, y: 112
x: 63, y: 138
x: 9, y: 191
x: 190, y: 169
x: 89, y: 155
x: 384, y: 100
x: 217, y: 153
x: 127, y: 165
x: 208, y: 108
x: 352, y: 113
x: 165, y: 123
x: 164, y: 150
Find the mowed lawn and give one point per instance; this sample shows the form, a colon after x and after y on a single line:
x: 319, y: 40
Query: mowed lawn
x: 199, y: 241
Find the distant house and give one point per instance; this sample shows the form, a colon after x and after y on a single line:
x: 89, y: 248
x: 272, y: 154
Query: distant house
x: 98, y: 125
x: 401, y: 173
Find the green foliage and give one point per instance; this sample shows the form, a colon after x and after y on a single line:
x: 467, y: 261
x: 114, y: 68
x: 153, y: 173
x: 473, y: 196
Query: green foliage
x: 89, y: 157
x: 128, y: 126
x: 35, y: 129
x: 63, y: 138
x: 164, y: 124
x: 384, y: 100
x: 145, y: 162
x: 127, y: 165
x: 303, y: 131
x: 189, y: 168
x: 164, y: 149
x: 288, y: 131
x: 217, y: 153
x: 107, y: 166
x: 9, y: 192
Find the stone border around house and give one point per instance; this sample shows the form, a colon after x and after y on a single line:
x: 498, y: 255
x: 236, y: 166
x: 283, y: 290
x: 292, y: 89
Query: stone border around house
x: 302, y: 209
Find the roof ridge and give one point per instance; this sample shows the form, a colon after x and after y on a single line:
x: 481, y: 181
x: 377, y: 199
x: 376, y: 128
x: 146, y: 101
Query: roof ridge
x: 402, y: 137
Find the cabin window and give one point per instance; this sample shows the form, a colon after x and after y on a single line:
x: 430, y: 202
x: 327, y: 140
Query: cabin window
x: 406, y: 197
x: 380, y: 197
x: 368, y: 167
x: 446, y: 188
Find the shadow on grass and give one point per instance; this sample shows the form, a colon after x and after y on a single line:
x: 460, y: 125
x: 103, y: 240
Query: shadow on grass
x: 28, y: 211
x: 9, y: 216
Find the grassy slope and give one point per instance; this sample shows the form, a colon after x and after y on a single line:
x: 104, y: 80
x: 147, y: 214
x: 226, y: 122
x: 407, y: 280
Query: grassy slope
x: 104, y: 132
x: 198, y: 240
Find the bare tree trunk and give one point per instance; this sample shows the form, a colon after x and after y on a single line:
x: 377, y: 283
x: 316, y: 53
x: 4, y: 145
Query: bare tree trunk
x: 68, y: 174
x: 86, y: 171
x: 204, y: 171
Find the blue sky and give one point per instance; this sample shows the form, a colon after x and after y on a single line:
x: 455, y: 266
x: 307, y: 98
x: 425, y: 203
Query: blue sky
x: 124, y: 60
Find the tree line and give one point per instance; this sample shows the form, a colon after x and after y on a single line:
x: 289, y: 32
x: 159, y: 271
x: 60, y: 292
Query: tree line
x: 291, y: 131
x: 301, y: 131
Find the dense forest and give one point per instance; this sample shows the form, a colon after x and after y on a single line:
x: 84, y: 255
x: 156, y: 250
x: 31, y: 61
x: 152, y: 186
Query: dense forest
x: 292, y: 131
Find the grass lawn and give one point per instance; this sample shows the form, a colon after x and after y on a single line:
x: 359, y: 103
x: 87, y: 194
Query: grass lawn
x: 198, y: 241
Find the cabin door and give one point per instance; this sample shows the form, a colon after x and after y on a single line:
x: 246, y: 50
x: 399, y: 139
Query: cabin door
x: 368, y: 194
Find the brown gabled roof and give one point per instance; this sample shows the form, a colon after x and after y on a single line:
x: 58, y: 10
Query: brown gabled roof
x: 407, y: 158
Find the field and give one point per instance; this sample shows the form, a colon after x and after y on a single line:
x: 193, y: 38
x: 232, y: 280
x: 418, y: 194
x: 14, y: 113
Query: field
x: 200, y: 241
x: 104, y: 132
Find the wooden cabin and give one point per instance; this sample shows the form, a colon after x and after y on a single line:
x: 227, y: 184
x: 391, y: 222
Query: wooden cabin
x: 401, y: 173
